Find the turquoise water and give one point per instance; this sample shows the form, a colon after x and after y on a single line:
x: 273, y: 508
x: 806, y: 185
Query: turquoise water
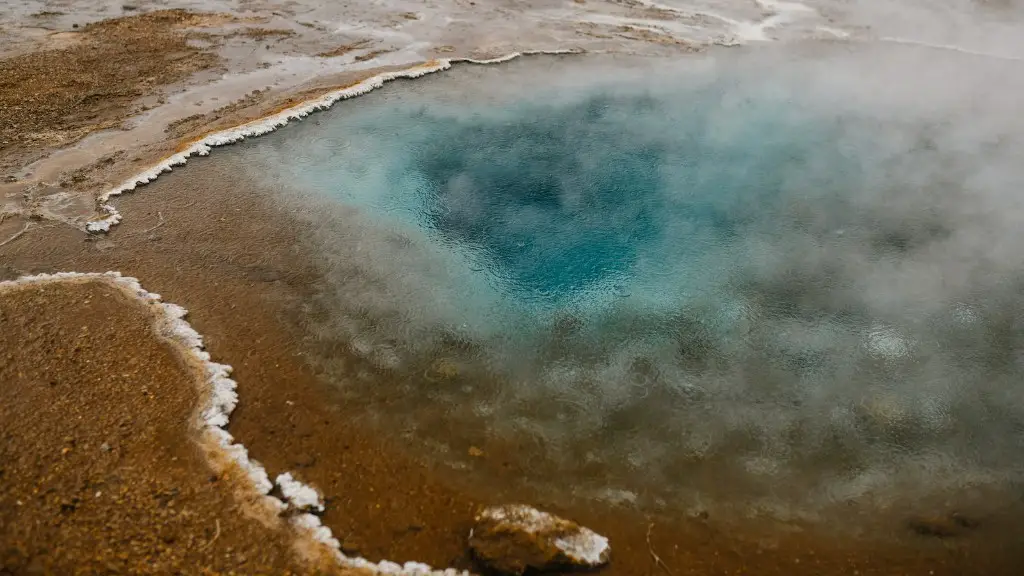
x: 665, y: 273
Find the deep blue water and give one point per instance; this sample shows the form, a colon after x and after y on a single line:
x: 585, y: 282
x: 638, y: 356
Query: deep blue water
x: 659, y: 274
x: 564, y: 198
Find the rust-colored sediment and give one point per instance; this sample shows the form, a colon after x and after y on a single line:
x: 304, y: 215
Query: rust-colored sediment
x: 99, y: 468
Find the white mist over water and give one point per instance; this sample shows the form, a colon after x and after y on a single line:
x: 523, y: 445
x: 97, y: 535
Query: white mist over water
x: 795, y: 267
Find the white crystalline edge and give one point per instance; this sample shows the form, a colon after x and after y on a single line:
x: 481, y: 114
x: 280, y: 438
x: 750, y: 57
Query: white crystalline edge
x: 270, y: 123
x: 223, y: 397
x: 584, y: 547
x: 530, y: 519
x: 301, y: 496
x: 222, y: 401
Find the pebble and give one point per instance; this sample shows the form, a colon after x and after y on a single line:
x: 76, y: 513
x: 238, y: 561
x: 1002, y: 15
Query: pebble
x: 512, y: 539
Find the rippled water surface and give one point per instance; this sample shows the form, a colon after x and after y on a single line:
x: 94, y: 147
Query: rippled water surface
x: 752, y: 275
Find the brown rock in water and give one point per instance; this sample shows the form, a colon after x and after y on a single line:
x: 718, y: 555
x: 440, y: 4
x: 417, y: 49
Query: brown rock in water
x: 941, y: 526
x: 513, y: 538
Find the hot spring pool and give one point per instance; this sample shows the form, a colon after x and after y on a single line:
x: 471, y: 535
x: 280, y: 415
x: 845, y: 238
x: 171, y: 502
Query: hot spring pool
x: 741, y: 277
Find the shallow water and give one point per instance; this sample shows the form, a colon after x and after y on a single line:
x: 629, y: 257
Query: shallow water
x: 758, y: 277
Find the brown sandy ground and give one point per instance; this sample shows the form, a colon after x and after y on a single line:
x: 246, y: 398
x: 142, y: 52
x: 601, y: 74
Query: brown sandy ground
x: 88, y: 82
x: 99, y: 473
x: 229, y: 256
x: 100, y: 78
x: 95, y: 77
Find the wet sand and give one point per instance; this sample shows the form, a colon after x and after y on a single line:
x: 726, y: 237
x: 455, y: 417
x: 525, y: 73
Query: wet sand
x: 101, y: 470
x: 247, y: 281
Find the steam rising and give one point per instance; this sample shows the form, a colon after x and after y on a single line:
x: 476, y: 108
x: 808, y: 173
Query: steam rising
x: 799, y: 267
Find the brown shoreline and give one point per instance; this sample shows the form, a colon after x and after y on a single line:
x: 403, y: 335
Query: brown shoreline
x: 101, y: 468
x: 233, y: 260
x: 68, y: 134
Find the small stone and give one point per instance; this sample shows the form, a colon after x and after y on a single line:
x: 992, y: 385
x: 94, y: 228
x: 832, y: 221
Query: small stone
x: 514, y: 538
x: 69, y: 506
x: 963, y: 521
x: 937, y: 526
x: 475, y: 452
x: 104, y: 447
x: 441, y: 370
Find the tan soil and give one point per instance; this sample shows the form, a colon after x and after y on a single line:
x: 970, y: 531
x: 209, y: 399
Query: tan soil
x: 101, y: 78
x: 345, y: 49
x: 55, y: 97
x: 235, y: 262
x: 99, y: 472
x: 101, y: 174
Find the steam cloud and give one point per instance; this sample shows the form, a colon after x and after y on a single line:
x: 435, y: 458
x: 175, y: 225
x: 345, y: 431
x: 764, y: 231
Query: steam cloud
x: 799, y: 266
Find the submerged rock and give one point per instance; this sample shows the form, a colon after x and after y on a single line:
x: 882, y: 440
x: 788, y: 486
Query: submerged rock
x: 941, y: 526
x: 513, y: 538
